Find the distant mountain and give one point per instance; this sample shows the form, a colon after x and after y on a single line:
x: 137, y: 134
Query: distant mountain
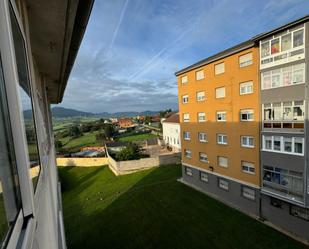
x: 61, y: 112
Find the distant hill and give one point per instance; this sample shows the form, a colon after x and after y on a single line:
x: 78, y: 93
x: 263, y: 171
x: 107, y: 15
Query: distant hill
x: 61, y: 112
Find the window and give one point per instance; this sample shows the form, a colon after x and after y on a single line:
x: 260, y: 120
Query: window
x: 247, y: 141
x: 199, y: 75
x: 221, y: 116
x: 223, y: 184
x: 202, y: 137
x: 287, y: 183
x: 219, y: 68
x: 188, y: 153
x: 185, y: 99
x: 285, y: 76
x: 10, y: 199
x: 286, y: 42
x: 246, y: 88
x: 247, y: 167
x: 201, y: 117
x: 287, y: 145
x: 203, y: 157
x: 265, y: 49
x: 186, y: 135
x: 222, y: 161
x: 204, y: 176
x: 186, y: 117
x: 290, y: 110
x: 221, y: 139
x: 275, y: 46
x: 245, y: 60
x: 299, y: 212
x: 298, y: 38
x: 248, y: 193
x: 25, y: 97
x: 188, y: 171
x: 200, y: 96
x: 220, y: 92
x: 246, y: 115
x: 184, y: 79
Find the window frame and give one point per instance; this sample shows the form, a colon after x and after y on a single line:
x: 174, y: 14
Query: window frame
x: 186, y: 120
x: 246, y: 84
x: 202, y: 141
x: 184, y: 77
x: 185, y: 98
x: 218, y: 135
x: 225, y: 158
x: 243, y: 187
x: 187, y: 153
x: 222, y: 113
x: 247, y: 112
x: 199, y: 114
x: 202, y: 178
x: 225, y: 182
x: 197, y: 73
x: 188, y: 171
x: 218, y: 64
x: 187, y: 138
x: 200, y: 99
x: 10, y: 73
x: 247, y: 139
x: 218, y: 88
x: 201, y: 155
x: 246, y: 63
x: 250, y: 165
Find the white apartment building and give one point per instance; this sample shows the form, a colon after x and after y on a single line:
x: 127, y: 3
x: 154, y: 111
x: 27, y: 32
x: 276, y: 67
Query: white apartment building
x: 171, y: 132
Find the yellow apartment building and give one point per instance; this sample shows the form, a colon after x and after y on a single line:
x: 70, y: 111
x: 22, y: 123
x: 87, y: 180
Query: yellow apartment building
x: 219, y: 118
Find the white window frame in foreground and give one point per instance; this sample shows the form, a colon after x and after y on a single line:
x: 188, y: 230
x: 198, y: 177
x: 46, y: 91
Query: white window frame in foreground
x: 203, y: 157
x: 248, y: 193
x: 202, y: 137
x: 186, y: 135
x: 184, y: 79
x: 279, y: 110
x: 283, y: 77
x: 223, y: 184
x: 220, y: 92
x: 281, y: 144
x: 200, y: 74
x: 185, y: 99
x: 204, y: 177
x: 201, y: 117
x: 219, y: 68
x: 187, y: 153
x: 221, y: 116
x: 248, y: 167
x: 188, y: 171
x: 222, y: 161
x: 246, y: 60
x: 222, y: 139
x: 200, y: 96
x: 248, y: 113
x: 245, y: 141
x: 186, y: 117
x: 246, y: 88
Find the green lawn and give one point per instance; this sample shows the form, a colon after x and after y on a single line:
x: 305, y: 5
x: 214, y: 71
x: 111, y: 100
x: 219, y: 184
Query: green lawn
x: 151, y: 210
x: 138, y: 137
x: 88, y: 139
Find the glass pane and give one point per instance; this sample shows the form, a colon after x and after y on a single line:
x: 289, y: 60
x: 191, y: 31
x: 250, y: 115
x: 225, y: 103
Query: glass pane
x: 10, y: 201
x: 298, y: 38
x: 26, y: 101
x: 265, y: 49
x: 286, y: 42
x: 275, y: 46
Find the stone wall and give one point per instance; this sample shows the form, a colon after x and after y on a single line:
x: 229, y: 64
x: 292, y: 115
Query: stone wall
x: 82, y: 162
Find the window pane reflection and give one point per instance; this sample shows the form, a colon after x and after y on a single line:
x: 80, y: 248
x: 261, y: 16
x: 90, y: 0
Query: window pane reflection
x: 10, y: 201
x: 26, y: 101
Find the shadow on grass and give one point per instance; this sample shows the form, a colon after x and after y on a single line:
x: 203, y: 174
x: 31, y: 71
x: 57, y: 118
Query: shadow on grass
x: 151, y: 209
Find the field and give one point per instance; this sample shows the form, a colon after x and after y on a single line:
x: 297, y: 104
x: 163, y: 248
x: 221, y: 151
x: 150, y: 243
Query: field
x: 151, y: 210
x: 138, y: 137
x: 74, y: 144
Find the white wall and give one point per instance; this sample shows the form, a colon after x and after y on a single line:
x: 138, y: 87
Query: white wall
x: 171, y: 134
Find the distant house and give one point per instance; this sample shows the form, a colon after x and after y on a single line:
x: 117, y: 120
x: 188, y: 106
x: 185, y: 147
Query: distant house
x: 171, y: 131
x: 155, y: 119
x: 125, y: 123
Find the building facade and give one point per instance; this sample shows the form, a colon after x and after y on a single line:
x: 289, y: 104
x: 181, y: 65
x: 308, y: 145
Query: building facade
x: 284, y: 106
x: 38, y: 45
x: 171, y: 132
x: 244, y: 122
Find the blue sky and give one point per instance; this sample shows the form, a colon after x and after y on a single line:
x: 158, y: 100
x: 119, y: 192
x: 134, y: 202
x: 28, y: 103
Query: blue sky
x: 132, y: 48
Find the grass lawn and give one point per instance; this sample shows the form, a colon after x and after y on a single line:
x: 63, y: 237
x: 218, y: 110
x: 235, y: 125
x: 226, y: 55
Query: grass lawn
x: 138, y: 137
x: 151, y: 210
x: 88, y: 139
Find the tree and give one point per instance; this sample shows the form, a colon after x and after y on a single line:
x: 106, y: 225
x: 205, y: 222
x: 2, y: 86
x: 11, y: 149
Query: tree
x: 147, y: 119
x: 109, y: 131
x: 100, y: 137
x: 58, y: 145
x: 75, y: 131
x: 131, y: 152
